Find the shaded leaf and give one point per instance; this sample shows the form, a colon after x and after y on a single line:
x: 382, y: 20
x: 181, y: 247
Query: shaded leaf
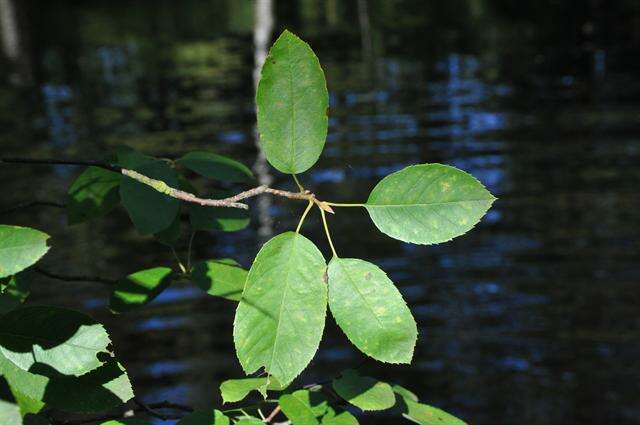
x: 130, y: 158
x: 280, y: 318
x: 93, y: 194
x: 127, y: 421
x: 364, y: 392
x: 65, y: 340
x: 218, y: 167
x: 14, y: 291
x: 139, y: 288
x: 428, y: 203
x: 292, y: 102
x: 20, y: 247
x: 150, y: 210
x: 370, y: 310
x: 404, y: 393
x: 171, y: 234
x: 213, y: 417
x: 338, y: 417
x: 221, y: 278
x: 302, y: 407
x: 208, y: 218
x: 234, y: 390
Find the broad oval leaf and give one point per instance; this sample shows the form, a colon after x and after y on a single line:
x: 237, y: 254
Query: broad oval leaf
x: 20, y: 247
x: 338, y: 417
x: 66, y: 341
x: 428, y: 203
x: 248, y: 420
x: 303, y: 407
x: 280, y: 318
x: 292, y: 103
x: 139, y: 288
x: 428, y: 415
x: 218, y: 167
x: 93, y: 194
x: 99, y: 390
x: 234, y: 390
x: 364, y: 392
x: 14, y: 291
x: 150, y: 210
x: 213, y: 417
x: 221, y: 278
x: 370, y: 310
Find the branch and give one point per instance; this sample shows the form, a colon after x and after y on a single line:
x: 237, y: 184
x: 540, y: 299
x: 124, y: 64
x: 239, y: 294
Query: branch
x: 30, y: 204
x: 149, y: 409
x: 65, y: 278
x: 75, y: 162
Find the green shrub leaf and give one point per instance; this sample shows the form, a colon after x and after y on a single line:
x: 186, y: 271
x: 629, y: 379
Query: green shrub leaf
x: 292, y: 104
x: 208, y: 218
x: 221, y: 278
x: 370, y: 310
x: 428, y: 203
x: 364, y: 392
x: 64, y: 340
x: 214, y: 417
x: 14, y: 291
x: 139, y: 288
x: 338, y: 417
x: 280, y: 318
x: 218, y: 167
x: 93, y: 194
x: 234, y: 390
x: 429, y: 415
x: 171, y: 234
x: 303, y: 407
x: 20, y: 247
x: 127, y: 421
x: 150, y: 210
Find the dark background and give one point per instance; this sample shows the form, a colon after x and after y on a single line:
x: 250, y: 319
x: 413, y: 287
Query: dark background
x: 532, y: 318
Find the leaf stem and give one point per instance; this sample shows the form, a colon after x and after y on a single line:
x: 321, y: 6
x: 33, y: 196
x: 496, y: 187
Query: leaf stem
x: 337, y: 204
x: 298, y: 183
x: 304, y: 215
x: 193, y: 235
x: 326, y: 231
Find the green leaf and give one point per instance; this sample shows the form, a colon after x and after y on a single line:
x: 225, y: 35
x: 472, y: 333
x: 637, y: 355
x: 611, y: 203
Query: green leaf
x: 248, y: 420
x: 370, y: 310
x: 10, y: 413
x: 280, y: 318
x: 64, y: 340
x: 221, y: 278
x: 150, y: 210
x: 99, y: 390
x: 364, y: 392
x: 27, y: 405
x: 218, y: 167
x: 139, y: 288
x: 428, y: 415
x: 404, y: 393
x: 214, y: 417
x: 340, y: 417
x: 14, y: 291
x: 234, y: 390
x: 20, y: 247
x: 93, y: 194
x: 130, y: 158
x: 428, y: 203
x: 292, y: 102
x: 171, y: 234
x: 302, y: 407
x: 127, y: 421
x: 208, y: 218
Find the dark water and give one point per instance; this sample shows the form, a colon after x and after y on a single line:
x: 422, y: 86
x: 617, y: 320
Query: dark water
x: 532, y: 318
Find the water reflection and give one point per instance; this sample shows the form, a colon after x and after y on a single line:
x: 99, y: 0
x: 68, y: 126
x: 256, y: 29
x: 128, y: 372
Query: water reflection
x: 531, y: 318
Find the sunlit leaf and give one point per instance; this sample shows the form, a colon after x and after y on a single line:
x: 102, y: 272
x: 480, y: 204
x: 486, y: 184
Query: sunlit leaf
x: 20, y: 247
x: 429, y: 415
x: 370, y: 310
x: 218, y: 167
x: 404, y: 393
x: 150, y: 210
x: 139, y: 288
x: 303, y: 407
x: 93, y: 194
x: 222, y: 278
x: 292, y: 102
x: 128, y: 421
x: 338, y: 417
x: 10, y: 413
x: 213, y: 417
x: 234, y: 390
x: 14, y: 291
x: 64, y: 340
x: 364, y: 392
x: 428, y: 203
x: 223, y: 219
x: 280, y: 318
x: 249, y: 421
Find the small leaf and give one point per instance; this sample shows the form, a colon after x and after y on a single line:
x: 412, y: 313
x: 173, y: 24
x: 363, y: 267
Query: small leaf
x: 404, y: 393
x: 20, y: 247
x: 221, y: 278
x: 213, y: 417
x: 340, y: 417
x: 127, y: 421
x: 218, y: 167
x: 248, y: 420
x: 224, y: 219
x: 364, y: 392
x: 234, y: 390
x: 99, y: 390
x: 428, y: 415
x: 14, y: 291
x: 370, y: 310
x: 302, y: 407
x: 428, y: 203
x: 64, y: 340
x: 292, y: 104
x: 139, y: 288
x: 280, y: 318
x: 93, y: 194
x: 150, y: 210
